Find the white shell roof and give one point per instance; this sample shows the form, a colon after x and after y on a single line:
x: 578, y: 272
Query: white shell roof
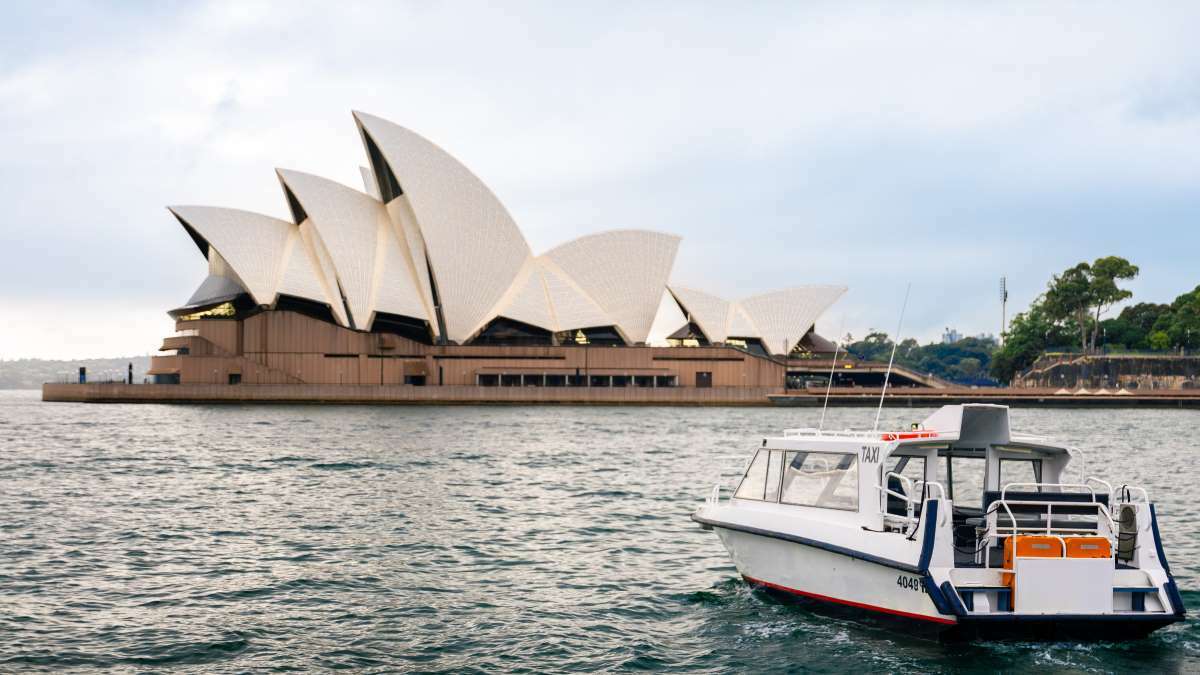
x: 573, y: 309
x: 740, y: 325
x: 624, y: 272
x: 299, y: 276
x: 251, y: 243
x: 369, y: 184
x: 668, y: 320
x: 475, y: 248
x: 707, y: 311
x: 545, y: 296
x: 409, y: 232
x: 786, y: 315
x: 527, y: 300
x: 444, y: 231
x: 775, y: 318
x: 367, y: 257
x: 325, y: 274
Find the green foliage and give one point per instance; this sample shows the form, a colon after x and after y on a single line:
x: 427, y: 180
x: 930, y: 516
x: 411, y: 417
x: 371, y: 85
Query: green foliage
x: 1029, y: 334
x: 963, y: 362
x: 1084, y: 292
x: 1132, y: 327
x: 1181, y: 321
x: 1160, y: 341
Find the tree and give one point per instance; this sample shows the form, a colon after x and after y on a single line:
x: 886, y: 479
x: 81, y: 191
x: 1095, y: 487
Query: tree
x: 1104, y: 292
x: 1085, y: 292
x: 1160, y: 341
x: 1068, y: 296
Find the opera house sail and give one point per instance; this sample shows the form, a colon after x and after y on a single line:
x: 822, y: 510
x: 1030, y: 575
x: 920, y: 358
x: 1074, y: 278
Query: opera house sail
x: 423, y: 278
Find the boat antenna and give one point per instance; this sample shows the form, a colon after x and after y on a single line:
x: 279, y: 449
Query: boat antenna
x: 829, y: 386
x: 895, y: 343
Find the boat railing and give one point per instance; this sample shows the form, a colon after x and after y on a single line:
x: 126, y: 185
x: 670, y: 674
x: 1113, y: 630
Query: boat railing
x: 913, y: 488
x: 813, y: 431
x: 1013, y: 527
x: 714, y: 497
x: 996, y: 533
x: 1127, y: 492
x: 909, y: 503
x: 1037, y: 487
x: 1078, y: 459
x: 726, y: 473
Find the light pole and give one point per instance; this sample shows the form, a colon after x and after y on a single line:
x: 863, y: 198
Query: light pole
x: 1003, y: 307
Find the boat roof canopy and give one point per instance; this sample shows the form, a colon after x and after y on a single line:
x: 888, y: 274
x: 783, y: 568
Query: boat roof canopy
x: 967, y: 427
x: 979, y: 424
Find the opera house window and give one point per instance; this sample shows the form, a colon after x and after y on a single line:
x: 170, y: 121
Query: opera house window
x: 221, y: 311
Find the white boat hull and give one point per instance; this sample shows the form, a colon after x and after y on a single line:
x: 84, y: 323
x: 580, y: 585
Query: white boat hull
x: 831, y: 577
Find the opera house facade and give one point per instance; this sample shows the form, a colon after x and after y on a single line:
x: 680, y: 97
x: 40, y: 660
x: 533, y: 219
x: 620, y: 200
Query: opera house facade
x: 423, y: 279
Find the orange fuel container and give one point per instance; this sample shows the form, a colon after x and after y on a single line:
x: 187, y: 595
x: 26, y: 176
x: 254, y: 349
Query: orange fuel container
x: 1030, y: 546
x: 1088, y: 547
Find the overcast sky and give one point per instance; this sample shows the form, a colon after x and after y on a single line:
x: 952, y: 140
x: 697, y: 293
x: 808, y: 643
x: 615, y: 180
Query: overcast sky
x: 796, y: 143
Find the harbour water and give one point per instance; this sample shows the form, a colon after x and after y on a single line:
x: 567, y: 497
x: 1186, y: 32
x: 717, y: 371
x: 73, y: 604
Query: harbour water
x: 460, y: 539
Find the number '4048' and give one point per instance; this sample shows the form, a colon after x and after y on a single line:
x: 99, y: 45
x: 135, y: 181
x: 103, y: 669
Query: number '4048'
x: 911, y: 583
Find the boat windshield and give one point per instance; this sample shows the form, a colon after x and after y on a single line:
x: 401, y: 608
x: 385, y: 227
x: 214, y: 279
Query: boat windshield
x: 1021, y: 471
x: 825, y: 479
x: 802, y: 478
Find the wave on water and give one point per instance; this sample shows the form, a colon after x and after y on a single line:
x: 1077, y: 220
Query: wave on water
x: 463, y: 540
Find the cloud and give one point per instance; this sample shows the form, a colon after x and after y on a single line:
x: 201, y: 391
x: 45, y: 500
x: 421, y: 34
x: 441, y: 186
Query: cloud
x: 823, y: 143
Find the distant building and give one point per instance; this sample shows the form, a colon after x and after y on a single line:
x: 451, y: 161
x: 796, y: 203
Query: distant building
x: 951, y: 336
x: 425, y: 279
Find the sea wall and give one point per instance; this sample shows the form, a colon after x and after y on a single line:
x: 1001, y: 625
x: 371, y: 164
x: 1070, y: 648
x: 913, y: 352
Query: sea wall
x: 400, y: 394
x: 1112, y: 371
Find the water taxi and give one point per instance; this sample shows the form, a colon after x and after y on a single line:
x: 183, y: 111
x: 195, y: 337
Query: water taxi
x: 957, y: 526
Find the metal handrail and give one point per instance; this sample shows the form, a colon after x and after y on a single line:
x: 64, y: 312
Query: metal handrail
x: 912, y: 488
x: 1107, y: 486
x: 933, y: 483
x: 1101, y: 510
x: 812, y: 431
x: 1084, y: 485
x: 1013, y: 530
x: 1128, y: 490
x: 1074, y: 452
x: 907, y: 496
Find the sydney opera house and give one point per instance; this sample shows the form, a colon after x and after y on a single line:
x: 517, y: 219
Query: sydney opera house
x: 423, y: 279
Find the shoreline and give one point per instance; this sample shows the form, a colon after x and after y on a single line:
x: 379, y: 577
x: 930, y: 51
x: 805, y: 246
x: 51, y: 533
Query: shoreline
x: 622, y: 396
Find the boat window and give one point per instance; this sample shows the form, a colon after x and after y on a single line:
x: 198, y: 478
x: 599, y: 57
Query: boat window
x: 1021, y: 471
x: 898, y: 495
x: 912, y: 468
x: 963, y: 479
x: 755, y: 479
x: 825, y: 479
x: 774, y: 471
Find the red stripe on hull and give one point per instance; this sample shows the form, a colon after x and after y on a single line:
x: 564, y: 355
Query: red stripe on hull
x: 851, y: 603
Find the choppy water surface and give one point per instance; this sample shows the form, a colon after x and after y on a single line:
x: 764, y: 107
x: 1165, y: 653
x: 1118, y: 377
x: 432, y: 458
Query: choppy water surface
x: 228, y: 538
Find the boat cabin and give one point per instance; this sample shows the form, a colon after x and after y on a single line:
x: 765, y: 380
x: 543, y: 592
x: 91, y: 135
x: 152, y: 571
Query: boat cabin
x: 966, y: 454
